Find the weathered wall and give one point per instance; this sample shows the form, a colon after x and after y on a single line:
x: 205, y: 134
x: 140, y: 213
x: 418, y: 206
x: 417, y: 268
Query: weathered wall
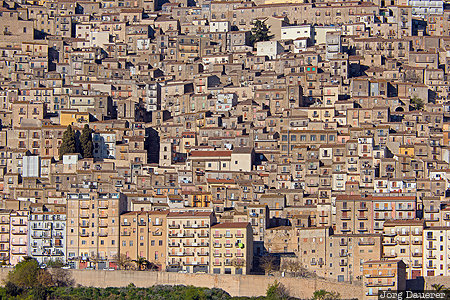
x: 236, y: 285
x: 429, y: 281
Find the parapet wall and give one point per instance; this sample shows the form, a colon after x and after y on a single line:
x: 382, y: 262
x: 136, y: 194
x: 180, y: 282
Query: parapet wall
x: 235, y: 285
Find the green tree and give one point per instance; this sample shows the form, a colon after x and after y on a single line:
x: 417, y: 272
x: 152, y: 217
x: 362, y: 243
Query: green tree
x: 25, y: 274
x: 260, y: 32
x: 86, y: 142
x: 438, y: 287
x: 325, y: 295
x: 417, y: 103
x: 141, y: 263
x: 55, y: 263
x: 277, y: 291
x: 68, y: 144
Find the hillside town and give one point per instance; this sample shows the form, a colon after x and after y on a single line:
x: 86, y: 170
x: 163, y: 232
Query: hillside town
x: 228, y: 137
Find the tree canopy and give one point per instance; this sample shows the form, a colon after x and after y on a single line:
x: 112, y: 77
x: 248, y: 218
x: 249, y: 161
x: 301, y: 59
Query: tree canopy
x: 260, y: 32
x: 86, y: 142
x: 417, y: 103
x: 68, y: 144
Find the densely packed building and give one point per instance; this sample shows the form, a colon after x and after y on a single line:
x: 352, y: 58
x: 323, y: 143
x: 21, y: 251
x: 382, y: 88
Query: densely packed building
x: 322, y: 134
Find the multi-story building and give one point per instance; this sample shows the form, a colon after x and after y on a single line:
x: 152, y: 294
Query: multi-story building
x: 435, y: 251
x: 18, y: 224
x: 355, y: 212
x: 402, y: 239
x: 5, y: 235
x: 188, y: 247
x: 47, y: 236
x: 93, y: 228
x: 144, y: 234
x: 383, y: 275
x: 231, y: 248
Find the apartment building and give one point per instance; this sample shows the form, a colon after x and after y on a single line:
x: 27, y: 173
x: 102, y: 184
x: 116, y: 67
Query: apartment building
x: 403, y: 239
x: 47, y: 236
x: 188, y: 246
x: 348, y: 252
x: 353, y: 211
x: 144, y: 234
x: 435, y: 251
x: 18, y: 225
x: 383, y: 275
x: 231, y: 248
x: 93, y: 222
x: 5, y: 235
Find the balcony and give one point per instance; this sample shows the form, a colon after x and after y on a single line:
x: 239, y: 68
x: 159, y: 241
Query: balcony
x: 379, y: 284
x: 19, y: 232
x: 202, y: 253
x: 417, y: 254
x: 366, y: 243
x: 391, y: 255
x: 417, y: 242
x: 196, y: 245
x: 84, y: 234
x: 174, y: 226
x: 389, y: 243
x: 19, y: 243
x: 218, y: 245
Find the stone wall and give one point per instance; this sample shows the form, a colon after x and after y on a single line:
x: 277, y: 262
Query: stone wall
x: 429, y: 281
x: 236, y: 285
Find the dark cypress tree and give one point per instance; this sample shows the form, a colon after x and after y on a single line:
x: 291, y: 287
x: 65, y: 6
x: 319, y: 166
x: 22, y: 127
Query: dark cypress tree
x: 86, y: 142
x: 68, y: 144
x: 260, y: 32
